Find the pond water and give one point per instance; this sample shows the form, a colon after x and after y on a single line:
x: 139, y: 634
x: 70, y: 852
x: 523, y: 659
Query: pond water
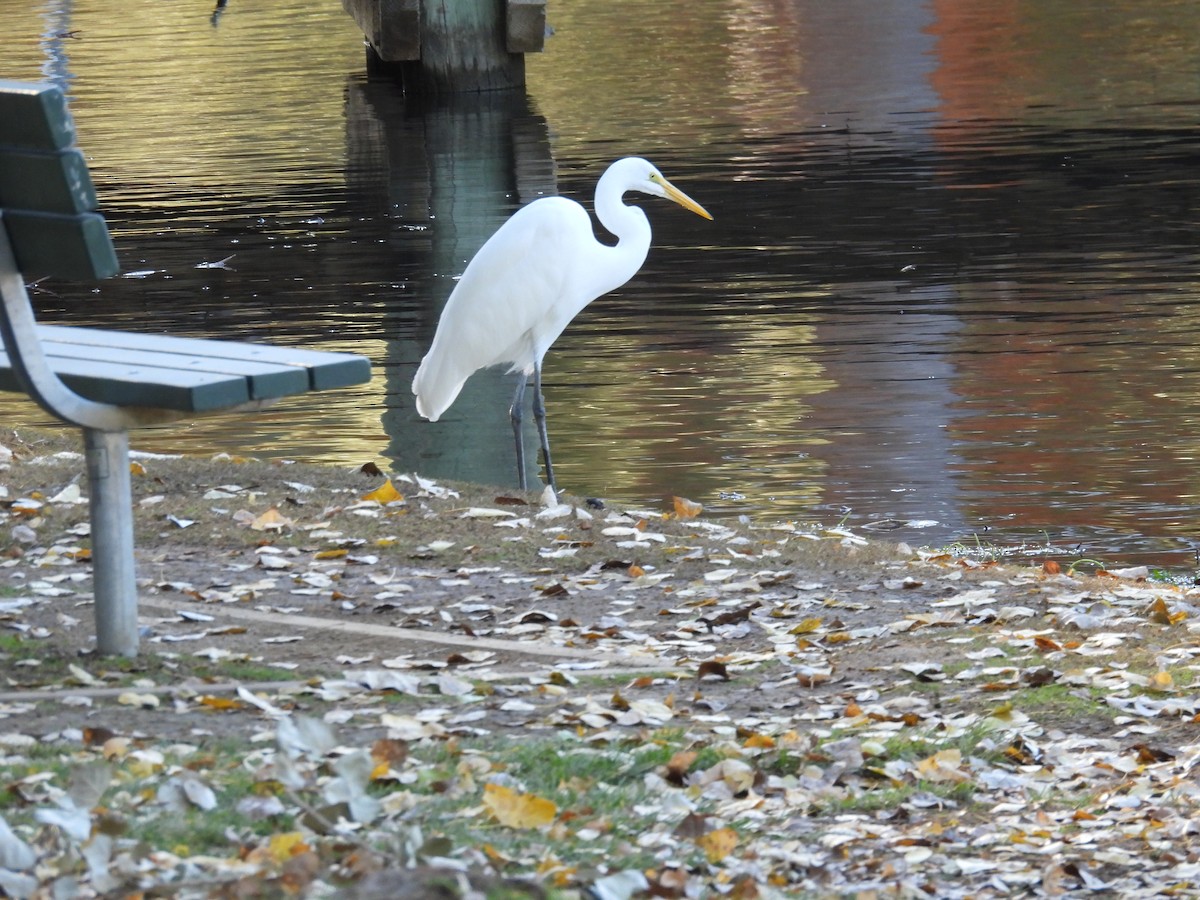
x: 952, y: 288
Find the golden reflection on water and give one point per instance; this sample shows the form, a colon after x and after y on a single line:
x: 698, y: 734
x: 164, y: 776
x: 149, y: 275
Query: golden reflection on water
x: 674, y: 421
x: 779, y: 352
x: 162, y: 97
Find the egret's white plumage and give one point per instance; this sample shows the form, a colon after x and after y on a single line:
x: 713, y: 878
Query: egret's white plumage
x: 530, y: 279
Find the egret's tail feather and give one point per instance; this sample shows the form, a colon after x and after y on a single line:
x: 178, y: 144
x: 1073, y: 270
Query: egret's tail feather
x: 435, y: 388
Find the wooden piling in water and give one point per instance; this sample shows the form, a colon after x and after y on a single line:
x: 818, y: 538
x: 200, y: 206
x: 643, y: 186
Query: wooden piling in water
x: 451, y: 46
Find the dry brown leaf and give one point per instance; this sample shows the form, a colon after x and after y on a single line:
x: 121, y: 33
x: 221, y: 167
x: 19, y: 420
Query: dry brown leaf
x: 712, y: 668
x: 94, y: 737
x: 505, y: 500
x: 678, y: 765
x: 391, y: 751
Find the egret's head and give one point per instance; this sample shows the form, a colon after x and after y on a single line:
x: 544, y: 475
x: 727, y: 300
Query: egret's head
x: 637, y: 174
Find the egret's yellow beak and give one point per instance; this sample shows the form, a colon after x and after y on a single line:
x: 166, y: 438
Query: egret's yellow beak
x: 683, y: 199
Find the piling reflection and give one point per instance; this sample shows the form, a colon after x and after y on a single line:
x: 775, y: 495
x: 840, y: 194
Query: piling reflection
x: 452, y: 168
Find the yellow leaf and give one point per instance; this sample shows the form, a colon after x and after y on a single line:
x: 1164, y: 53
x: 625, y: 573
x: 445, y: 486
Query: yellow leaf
x: 517, y: 810
x: 687, y: 509
x: 384, y: 494
x: 221, y: 703
x: 332, y: 554
x: 1162, y: 681
x: 285, y: 846
x: 945, y: 765
x: 1159, y: 613
x: 758, y: 741
x: 808, y: 626
x: 136, y: 468
x: 271, y: 520
x: 717, y: 844
x: 495, y: 855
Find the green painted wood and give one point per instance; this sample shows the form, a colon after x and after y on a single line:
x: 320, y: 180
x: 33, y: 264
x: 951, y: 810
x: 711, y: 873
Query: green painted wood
x: 130, y: 369
x: 45, y: 182
x: 264, y: 381
x: 322, y: 369
x: 34, y: 115
x: 76, y: 247
x: 149, y: 386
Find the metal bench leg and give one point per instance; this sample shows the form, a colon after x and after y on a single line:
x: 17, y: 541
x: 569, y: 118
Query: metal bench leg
x: 113, y: 579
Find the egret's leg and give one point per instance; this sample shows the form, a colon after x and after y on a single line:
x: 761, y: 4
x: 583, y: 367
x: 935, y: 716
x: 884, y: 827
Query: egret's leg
x: 515, y: 413
x: 539, y: 415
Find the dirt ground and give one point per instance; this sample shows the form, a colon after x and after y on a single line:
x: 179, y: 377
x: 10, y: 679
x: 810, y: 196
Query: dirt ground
x: 271, y: 571
x: 873, y: 719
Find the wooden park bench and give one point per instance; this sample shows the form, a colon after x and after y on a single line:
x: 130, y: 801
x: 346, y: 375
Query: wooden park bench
x: 107, y: 382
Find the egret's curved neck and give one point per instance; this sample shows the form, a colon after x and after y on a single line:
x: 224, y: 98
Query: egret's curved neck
x: 631, y: 228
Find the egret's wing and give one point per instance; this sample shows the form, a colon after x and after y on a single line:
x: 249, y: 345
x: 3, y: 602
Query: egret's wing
x: 511, y: 296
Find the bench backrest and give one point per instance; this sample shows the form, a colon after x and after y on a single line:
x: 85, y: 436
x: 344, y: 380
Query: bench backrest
x: 47, y: 200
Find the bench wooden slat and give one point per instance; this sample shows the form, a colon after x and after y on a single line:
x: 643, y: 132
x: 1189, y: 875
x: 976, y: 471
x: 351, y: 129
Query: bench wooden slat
x: 184, y: 374
x: 264, y: 382
x: 150, y: 386
x: 34, y: 116
x: 77, y: 247
x: 45, y: 182
x: 323, y: 369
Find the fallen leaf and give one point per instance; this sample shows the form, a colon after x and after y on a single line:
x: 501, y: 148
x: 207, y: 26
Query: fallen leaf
x: 272, y: 520
x: 678, y: 765
x: 718, y: 844
x: 284, y: 846
x: 517, y: 810
x: 945, y: 765
x: 384, y: 494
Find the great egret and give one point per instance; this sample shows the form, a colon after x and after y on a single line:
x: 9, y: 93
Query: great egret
x: 528, y: 281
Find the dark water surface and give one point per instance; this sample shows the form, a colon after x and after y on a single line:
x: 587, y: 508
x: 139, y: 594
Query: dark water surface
x: 951, y: 288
